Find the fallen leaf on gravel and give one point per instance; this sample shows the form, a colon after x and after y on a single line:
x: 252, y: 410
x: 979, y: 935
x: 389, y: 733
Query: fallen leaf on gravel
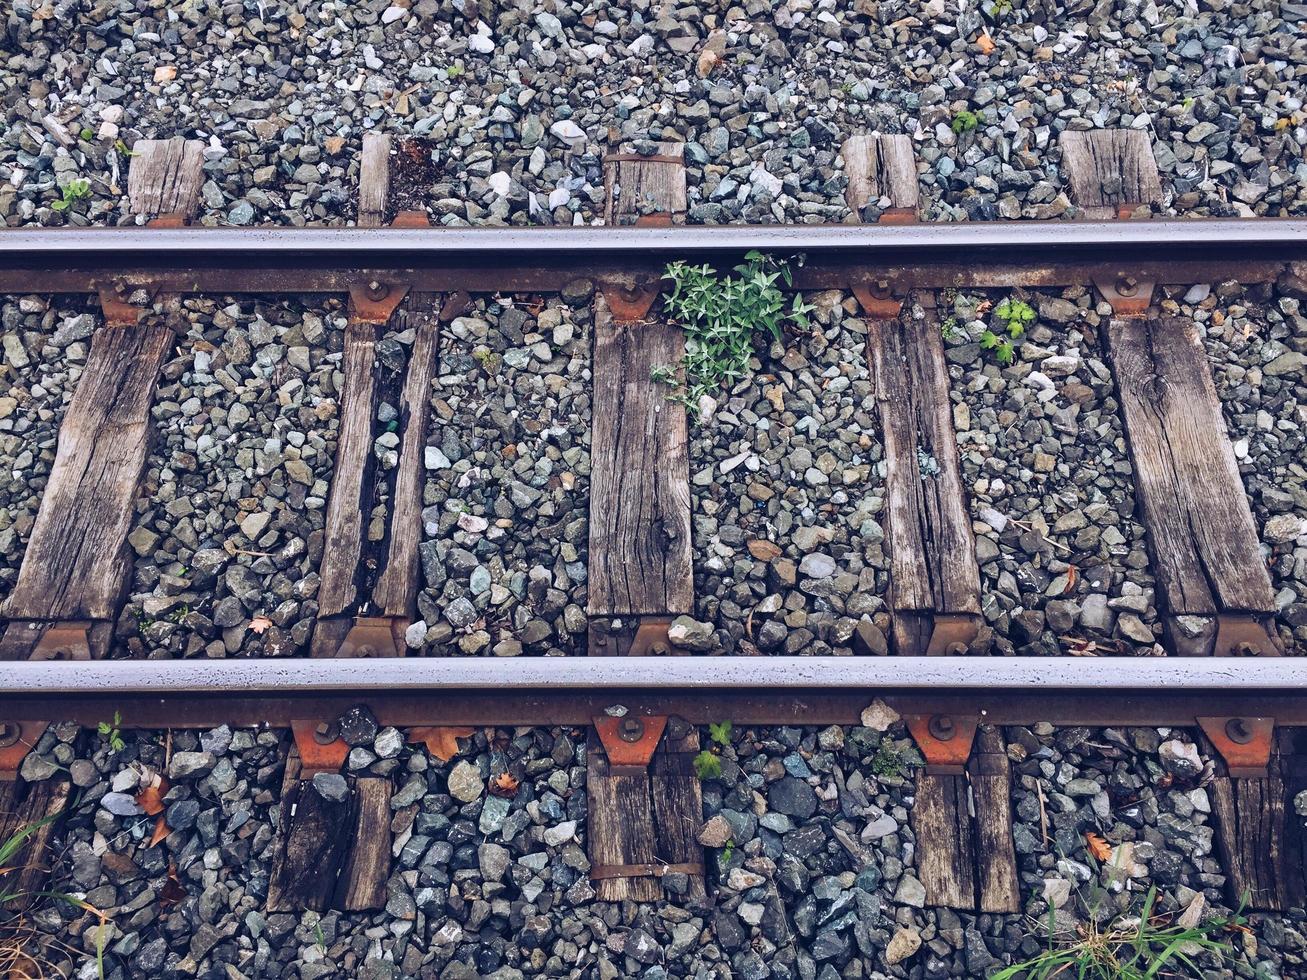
x: 503, y: 785
x: 986, y: 44
x: 160, y: 831
x: 334, y: 144
x: 259, y: 624
x: 763, y: 550
x: 1099, y: 848
x: 150, y: 798
x: 165, y: 73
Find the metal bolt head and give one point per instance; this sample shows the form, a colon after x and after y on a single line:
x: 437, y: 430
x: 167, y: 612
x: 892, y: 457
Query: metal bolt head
x: 630, y: 729
x: 1238, y: 731
x: 8, y: 734
x: 659, y: 649
x: 377, y: 290
x: 1245, y: 649
x: 956, y: 649
x: 1127, y: 285
x: 325, y: 733
x: 941, y: 728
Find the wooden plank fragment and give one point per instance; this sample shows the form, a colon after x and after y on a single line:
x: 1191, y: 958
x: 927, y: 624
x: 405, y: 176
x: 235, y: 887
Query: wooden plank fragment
x: 24, y: 804
x: 78, y: 564
x: 165, y: 176
x: 349, y: 503
x: 397, y: 584
x: 932, y: 550
x: 374, y: 180
x: 678, y: 807
x: 637, y: 186
x: 619, y: 827
x: 998, y: 887
x: 880, y: 165
x: 946, y: 859
x: 362, y: 882
x: 1259, y: 834
x: 1108, y: 168
x: 640, y: 471
x: 313, y: 840
x: 1203, y: 539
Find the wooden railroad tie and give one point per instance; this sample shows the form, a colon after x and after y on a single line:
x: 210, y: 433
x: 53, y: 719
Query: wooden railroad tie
x: 645, y: 804
x: 1111, y: 172
x: 77, y: 569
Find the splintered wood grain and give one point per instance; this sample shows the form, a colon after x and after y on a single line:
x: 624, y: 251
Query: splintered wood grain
x: 946, y: 857
x: 23, y: 805
x: 314, y: 836
x: 640, y: 474
x: 880, y: 165
x: 1259, y: 835
x: 641, y: 186
x: 1204, y: 542
x: 349, y: 503
x: 619, y: 827
x: 932, y: 549
x: 77, y: 564
x: 999, y: 887
x: 165, y: 176
x: 678, y: 807
x: 362, y: 882
x: 396, y: 590
x: 1107, y: 167
x: 374, y: 180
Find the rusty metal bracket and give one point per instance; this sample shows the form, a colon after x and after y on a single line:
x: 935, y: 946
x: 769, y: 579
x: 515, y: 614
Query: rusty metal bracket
x: 17, y: 739
x: 176, y: 219
x: 652, y: 869
x: 411, y: 219
x: 1244, y: 743
x: 376, y: 302
x: 952, y: 634
x: 630, y: 304
x: 630, y: 636
x: 1128, y: 296
x: 320, y: 746
x: 115, y: 309
x: 69, y: 640
x: 1241, y: 635
x: 944, y: 740
x: 629, y: 741
x: 877, y: 299
x: 372, y: 636
x: 898, y: 216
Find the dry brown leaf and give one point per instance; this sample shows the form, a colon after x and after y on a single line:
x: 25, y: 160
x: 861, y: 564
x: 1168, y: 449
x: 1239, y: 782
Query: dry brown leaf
x: 150, y: 798
x: 764, y: 550
x: 259, y: 624
x: 503, y: 785
x: 708, y: 60
x: 165, y: 73
x: 160, y: 831
x: 172, y: 891
x: 334, y: 144
x: 986, y: 44
x: 441, y: 740
x: 1099, y: 848
x: 1072, y: 573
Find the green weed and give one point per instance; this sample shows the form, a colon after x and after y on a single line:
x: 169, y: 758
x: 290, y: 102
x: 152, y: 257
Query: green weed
x: 1127, y: 948
x: 74, y: 191
x: 111, y: 733
x: 964, y: 122
x: 707, y: 766
x: 721, y: 317
x: 1012, y: 317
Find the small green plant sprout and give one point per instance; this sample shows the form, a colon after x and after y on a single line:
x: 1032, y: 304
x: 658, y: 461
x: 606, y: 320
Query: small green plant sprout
x: 121, y: 147
x: 964, y: 121
x: 74, y: 191
x: 721, y: 318
x: 87, y: 134
x: 111, y: 732
x: 720, y: 732
x: 1147, y: 946
x: 707, y: 766
x: 894, y: 759
x: 1012, y: 317
x: 728, y: 852
x: 456, y: 70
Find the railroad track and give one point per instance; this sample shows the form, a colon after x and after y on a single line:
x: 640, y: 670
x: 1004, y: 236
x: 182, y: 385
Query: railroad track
x: 1226, y: 673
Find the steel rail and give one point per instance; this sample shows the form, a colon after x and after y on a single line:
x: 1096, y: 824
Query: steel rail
x: 182, y: 243
x: 247, y: 260
x: 570, y: 691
